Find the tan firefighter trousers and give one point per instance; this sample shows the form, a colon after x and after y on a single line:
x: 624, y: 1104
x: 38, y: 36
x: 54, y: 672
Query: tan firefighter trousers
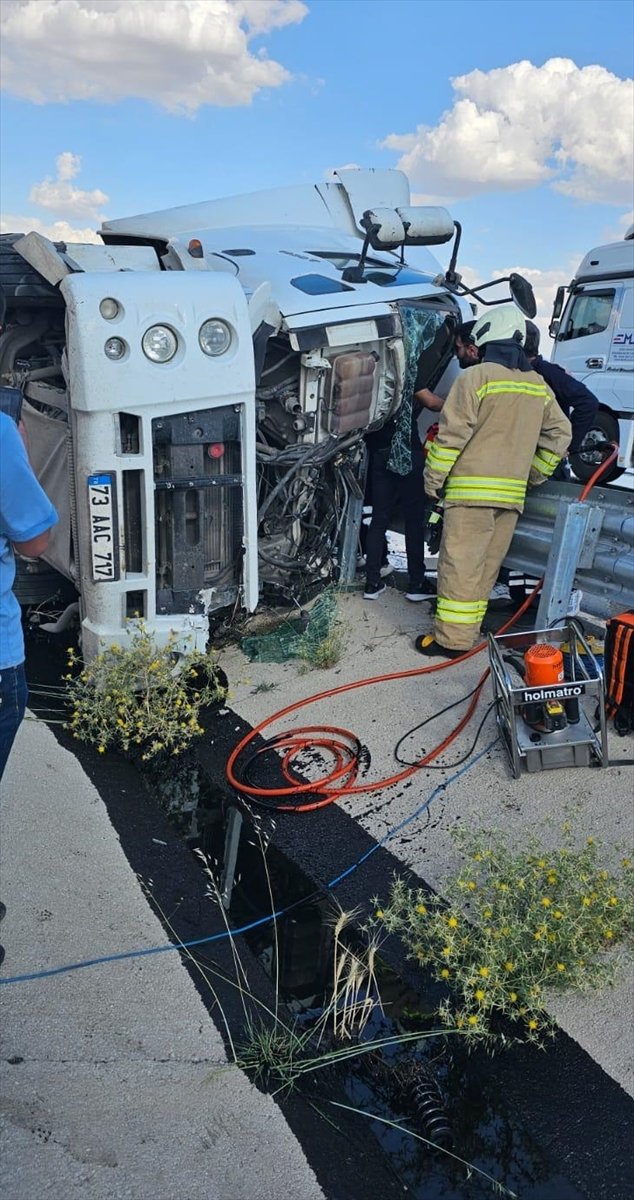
x: 474, y: 543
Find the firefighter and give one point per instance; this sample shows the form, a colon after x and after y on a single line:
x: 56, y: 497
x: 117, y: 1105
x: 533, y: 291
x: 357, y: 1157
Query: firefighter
x: 570, y: 394
x: 500, y: 430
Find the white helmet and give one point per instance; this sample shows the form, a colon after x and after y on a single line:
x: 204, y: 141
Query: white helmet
x: 502, y: 323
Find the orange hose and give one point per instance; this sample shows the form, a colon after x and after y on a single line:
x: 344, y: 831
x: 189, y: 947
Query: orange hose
x: 345, y: 768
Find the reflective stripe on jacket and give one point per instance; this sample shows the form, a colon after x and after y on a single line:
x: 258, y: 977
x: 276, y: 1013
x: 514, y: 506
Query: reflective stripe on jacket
x: 429, y: 438
x: 499, y: 430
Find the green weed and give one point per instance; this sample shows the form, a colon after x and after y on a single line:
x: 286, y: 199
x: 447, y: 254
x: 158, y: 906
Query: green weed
x: 514, y: 925
x: 143, y: 699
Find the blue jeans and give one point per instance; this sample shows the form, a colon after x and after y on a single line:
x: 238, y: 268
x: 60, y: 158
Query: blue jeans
x: 13, y: 697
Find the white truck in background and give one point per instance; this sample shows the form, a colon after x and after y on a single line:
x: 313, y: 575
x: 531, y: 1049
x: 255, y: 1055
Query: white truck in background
x: 593, y: 329
x: 196, y: 390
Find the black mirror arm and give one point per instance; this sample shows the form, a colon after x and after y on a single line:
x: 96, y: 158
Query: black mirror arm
x: 526, y: 304
x: 475, y: 292
x: 356, y: 274
x: 450, y: 274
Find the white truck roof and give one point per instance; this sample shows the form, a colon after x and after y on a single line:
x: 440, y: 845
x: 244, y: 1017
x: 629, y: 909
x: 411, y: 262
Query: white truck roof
x: 615, y: 260
x: 338, y: 205
x: 299, y: 239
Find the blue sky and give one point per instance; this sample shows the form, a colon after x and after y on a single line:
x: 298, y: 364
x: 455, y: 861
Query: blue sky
x: 118, y: 106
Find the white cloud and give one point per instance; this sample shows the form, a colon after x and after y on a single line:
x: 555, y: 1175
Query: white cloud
x: 616, y: 233
x: 515, y: 127
x: 57, y: 231
x: 263, y: 15
x: 65, y: 201
x: 176, y: 53
x: 61, y: 196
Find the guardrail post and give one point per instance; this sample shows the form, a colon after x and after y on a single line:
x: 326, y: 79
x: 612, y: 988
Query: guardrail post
x: 571, y: 524
x: 605, y: 566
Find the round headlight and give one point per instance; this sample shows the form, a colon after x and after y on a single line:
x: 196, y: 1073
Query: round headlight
x: 159, y: 343
x: 109, y: 308
x: 115, y: 348
x: 214, y: 337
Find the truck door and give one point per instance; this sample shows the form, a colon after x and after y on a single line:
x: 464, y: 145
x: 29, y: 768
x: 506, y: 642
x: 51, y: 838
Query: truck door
x: 585, y: 336
x: 621, y: 357
x: 595, y: 343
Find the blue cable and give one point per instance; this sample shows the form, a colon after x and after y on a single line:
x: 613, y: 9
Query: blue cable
x: 274, y: 916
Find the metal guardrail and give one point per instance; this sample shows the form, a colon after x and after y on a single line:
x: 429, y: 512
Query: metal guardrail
x: 592, y: 543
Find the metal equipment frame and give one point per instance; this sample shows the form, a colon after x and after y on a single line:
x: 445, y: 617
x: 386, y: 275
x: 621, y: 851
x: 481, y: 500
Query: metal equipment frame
x: 578, y: 744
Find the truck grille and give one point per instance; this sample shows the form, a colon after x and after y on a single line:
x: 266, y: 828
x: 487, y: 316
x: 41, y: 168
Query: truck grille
x: 198, y: 490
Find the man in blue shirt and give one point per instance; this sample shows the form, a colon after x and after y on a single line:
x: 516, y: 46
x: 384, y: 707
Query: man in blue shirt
x: 26, y: 516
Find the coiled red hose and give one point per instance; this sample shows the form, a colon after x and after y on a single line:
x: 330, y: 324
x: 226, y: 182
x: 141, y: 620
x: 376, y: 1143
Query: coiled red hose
x: 340, y: 744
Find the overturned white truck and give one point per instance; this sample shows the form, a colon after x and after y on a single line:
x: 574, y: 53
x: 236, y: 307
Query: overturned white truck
x: 196, y: 390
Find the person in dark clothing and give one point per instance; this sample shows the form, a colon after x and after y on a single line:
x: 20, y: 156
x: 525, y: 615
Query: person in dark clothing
x: 466, y: 350
x: 577, y: 402
x: 387, y: 489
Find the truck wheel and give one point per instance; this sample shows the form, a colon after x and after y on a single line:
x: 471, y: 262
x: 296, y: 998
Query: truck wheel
x: 584, y: 463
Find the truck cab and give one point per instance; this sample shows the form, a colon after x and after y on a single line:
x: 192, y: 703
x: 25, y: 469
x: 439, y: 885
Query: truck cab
x: 594, y: 339
x: 197, y: 390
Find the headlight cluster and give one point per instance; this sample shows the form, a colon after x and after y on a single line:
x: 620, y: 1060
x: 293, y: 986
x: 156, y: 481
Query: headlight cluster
x: 115, y: 348
x: 160, y: 343
x: 214, y: 337
x: 109, y: 308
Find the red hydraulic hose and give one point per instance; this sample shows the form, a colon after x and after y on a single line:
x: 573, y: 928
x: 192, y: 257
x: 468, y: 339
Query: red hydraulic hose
x: 344, y: 746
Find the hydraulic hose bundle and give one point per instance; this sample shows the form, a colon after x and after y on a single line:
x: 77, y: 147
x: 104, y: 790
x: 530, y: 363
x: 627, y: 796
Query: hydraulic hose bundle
x: 342, y: 746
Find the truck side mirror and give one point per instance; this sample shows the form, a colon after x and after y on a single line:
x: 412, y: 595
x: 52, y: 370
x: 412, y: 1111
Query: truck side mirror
x: 553, y: 328
x: 384, y: 228
x: 523, y: 295
x: 426, y: 226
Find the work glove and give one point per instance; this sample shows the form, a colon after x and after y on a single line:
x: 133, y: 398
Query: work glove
x: 433, y: 532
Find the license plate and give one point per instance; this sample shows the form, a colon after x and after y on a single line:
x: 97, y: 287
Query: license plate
x: 102, y: 517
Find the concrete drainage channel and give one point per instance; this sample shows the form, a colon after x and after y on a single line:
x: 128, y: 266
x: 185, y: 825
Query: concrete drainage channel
x: 548, y: 1126
x: 433, y: 1088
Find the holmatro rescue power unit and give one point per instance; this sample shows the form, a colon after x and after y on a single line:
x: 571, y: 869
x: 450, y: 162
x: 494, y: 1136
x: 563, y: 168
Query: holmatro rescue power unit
x: 547, y: 715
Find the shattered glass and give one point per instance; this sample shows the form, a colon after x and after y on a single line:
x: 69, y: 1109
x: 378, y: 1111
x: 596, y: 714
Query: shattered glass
x: 420, y: 326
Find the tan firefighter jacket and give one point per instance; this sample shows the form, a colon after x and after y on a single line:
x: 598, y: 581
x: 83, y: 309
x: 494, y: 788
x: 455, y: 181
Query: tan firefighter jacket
x: 499, y: 430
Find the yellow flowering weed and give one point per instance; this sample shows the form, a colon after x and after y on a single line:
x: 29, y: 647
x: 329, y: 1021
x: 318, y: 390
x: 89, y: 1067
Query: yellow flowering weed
x: 130, y: 698
x: 520, y: 941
